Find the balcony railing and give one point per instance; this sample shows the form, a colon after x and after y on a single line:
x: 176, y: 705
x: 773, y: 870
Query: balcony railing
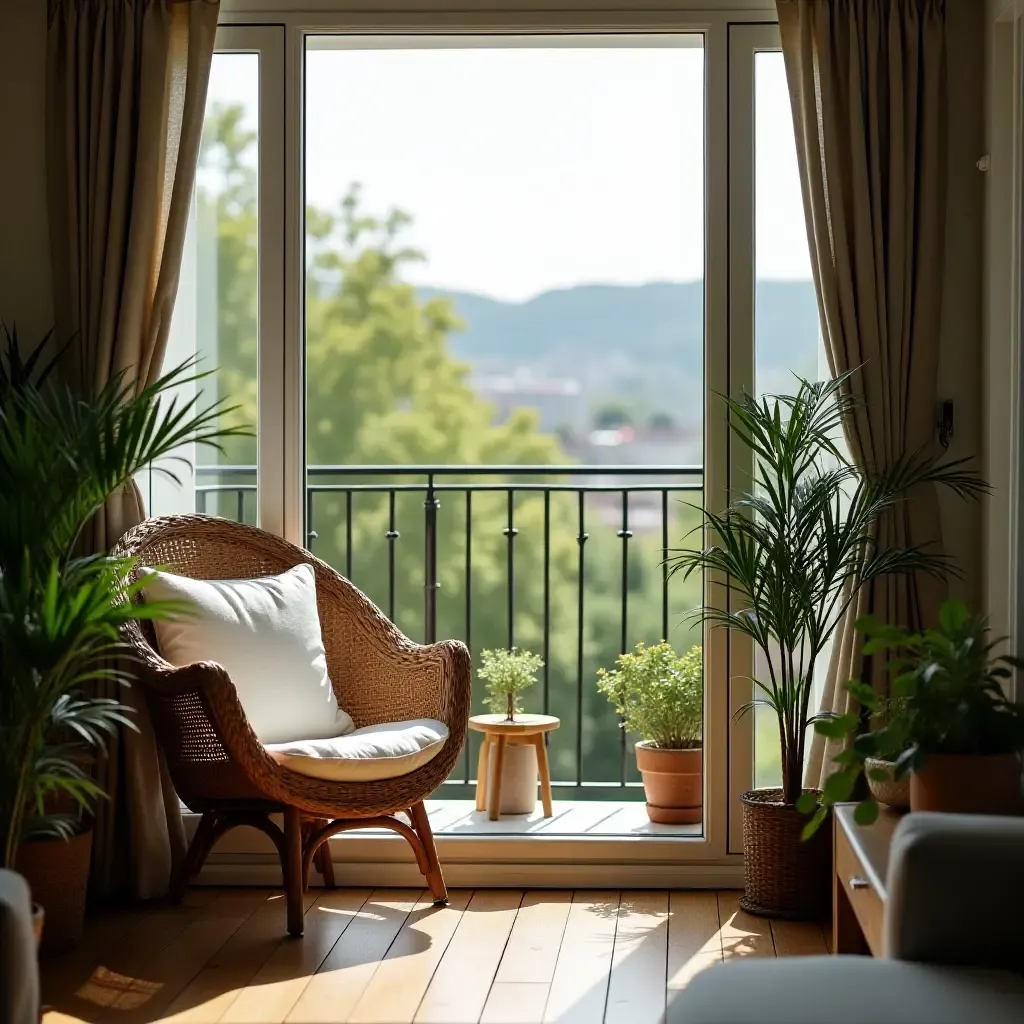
x: 539, y: 545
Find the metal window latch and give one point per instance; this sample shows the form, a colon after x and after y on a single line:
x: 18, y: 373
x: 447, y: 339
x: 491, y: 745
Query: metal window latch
x: 859, y: 883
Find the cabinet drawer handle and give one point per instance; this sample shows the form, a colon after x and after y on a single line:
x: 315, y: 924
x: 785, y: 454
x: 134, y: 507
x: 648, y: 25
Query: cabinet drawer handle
x: 859, y: 883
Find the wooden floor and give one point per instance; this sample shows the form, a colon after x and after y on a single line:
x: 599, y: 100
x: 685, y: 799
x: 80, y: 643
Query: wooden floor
x: 388, y: 956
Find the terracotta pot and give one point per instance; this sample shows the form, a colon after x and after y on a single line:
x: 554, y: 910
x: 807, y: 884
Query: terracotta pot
x: 892, y: 792
x: 784, y: 876
x: 57, y: 872
x: 967, y: 784
x: 673, y: 783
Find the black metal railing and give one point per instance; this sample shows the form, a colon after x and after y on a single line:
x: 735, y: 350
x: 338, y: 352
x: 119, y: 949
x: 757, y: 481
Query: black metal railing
x: 625, y: 504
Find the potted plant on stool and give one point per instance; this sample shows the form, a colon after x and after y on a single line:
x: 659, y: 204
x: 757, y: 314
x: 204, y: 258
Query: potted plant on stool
x: 795, y: 552
x: 660, y: 697
x: 955, y: 735
x: 508, y: 675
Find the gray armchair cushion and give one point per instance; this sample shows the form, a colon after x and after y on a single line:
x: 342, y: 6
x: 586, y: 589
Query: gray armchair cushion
x: 19, y: 973
x: 847, y: 990
x: 956, y: 891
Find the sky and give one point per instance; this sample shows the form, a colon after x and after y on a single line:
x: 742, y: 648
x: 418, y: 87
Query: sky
x: 533, y: 167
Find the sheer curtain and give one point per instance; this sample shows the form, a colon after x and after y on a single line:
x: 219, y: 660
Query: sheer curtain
x: 867, y: 81
x: 126, y: 91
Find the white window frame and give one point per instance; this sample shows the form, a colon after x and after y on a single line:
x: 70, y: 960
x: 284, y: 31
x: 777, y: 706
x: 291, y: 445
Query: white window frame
x: 730, y: 40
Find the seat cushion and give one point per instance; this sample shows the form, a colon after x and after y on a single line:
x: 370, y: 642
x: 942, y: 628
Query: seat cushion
x: 847, y: 990
x: 266, y: 633
x: 365, y: 755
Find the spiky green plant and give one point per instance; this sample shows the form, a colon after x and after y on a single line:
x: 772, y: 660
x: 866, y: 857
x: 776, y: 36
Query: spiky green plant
x: 508, y: 673
x: 796, y: 550
x: 658, y: 694
x: 62, y: 455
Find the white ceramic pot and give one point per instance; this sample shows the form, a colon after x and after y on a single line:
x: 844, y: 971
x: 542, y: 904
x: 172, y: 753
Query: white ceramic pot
x: 518, y: 777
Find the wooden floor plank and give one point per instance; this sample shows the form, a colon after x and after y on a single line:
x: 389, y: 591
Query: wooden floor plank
x: 742, y: 933
x: 223, y: 978
x: 579, y: 987
x: 156, y: 986
x: 84, y: 983
x: 281, y: 980
x: 637, y: 986
x: 341, y: 979
x: 532, y: 949
x: 694, y: 937
x: 798, y: 938
x: 399, y: 983
x: 516, y: 1002
x: 459, y: 988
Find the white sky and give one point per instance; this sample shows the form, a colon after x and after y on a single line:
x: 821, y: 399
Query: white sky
x: 528, y: 168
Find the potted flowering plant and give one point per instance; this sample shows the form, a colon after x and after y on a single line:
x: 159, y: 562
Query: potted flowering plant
x: 660, y: 697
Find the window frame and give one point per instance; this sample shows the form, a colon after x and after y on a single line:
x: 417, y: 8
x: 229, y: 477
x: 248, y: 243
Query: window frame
x: 728, y: 37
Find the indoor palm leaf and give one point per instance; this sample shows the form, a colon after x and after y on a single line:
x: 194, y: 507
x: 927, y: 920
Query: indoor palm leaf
x: 797, y: 549
x: 61, y: 456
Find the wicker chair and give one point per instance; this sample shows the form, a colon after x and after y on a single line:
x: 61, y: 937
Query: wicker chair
x: 218, y: 766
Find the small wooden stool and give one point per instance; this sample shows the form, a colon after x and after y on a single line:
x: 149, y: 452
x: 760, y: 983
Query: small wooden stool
x: 498, y: 730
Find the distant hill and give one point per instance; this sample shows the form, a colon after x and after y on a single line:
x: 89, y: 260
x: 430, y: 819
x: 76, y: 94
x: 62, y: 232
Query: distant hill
x: 642, y: 343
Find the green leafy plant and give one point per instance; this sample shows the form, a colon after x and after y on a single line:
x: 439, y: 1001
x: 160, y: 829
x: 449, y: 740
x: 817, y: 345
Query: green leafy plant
x: 508, y: 673
x: 947, y: 699
x: 797, y: 549
x: 62, y: 454
x: 658, y: 694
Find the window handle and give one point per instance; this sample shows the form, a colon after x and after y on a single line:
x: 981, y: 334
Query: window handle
x: 859, y: 883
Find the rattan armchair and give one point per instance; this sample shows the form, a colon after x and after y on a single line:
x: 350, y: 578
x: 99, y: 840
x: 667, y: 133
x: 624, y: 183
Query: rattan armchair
x: 218, y: 766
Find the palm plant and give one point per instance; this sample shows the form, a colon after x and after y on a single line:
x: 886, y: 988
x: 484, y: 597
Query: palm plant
x: 796, y: 551
x: 61, y: 456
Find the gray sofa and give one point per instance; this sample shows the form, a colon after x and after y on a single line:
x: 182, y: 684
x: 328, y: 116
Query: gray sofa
x: 953, y: 934
x: 19, y: 973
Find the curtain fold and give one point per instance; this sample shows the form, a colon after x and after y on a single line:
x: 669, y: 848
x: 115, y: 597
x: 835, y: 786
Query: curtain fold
x: 126, y: 92
x: 867, y: 82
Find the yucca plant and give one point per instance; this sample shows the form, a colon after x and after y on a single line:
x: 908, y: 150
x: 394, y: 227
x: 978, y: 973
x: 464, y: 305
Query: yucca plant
x: 798, y: 548
x: 62, y: 455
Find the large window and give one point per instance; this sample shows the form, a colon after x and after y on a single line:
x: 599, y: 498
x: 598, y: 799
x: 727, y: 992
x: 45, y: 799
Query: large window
x: 477, y: 293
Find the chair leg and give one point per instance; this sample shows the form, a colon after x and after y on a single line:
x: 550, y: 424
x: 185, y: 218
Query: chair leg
x: 291, y: 865
x: 435, y: 880
x: 324, y: 863
x: 198, y: 850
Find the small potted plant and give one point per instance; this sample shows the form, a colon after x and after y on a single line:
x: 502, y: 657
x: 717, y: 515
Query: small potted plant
x: 883, y: 784
x: 955, y: 733
x: 660, y: 697
x: 508, y: 674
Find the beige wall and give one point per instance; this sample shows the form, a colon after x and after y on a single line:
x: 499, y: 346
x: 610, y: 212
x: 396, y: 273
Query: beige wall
x: 24, y: 269
x: 24, y: 245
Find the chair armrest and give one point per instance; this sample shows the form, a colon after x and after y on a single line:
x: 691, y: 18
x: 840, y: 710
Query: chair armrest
x: 956, y: 891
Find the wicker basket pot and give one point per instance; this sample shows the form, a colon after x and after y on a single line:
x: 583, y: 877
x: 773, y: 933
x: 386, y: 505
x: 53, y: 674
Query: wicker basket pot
x: 57, y: 873
x: 892, y: 792
x: 784, y: 876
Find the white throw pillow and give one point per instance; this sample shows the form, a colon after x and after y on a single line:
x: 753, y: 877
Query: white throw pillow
x: 266, y: 634
x: 365, y: 755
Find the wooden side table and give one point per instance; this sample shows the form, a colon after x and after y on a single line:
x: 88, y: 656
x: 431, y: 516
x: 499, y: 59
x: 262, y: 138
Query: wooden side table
x: 859, y: 879
x: 499, y: 731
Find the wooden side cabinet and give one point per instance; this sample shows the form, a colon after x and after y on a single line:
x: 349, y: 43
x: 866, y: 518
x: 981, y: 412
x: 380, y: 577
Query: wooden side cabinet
x: 858, y: 880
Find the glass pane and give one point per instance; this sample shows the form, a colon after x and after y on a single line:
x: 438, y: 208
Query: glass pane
x: 216, y: 314
x: 505, y: 264
x: 787, y: 338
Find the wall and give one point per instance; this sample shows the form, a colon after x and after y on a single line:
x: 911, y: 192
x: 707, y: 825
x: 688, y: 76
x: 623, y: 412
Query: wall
x: 960, y: 362
x: 24, y: 246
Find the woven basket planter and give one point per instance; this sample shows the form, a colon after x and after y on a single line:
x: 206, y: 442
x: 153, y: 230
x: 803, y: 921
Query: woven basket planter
x: 784, y: 876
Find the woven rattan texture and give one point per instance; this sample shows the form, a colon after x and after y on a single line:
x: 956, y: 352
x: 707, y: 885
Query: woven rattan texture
x: 379, y: 675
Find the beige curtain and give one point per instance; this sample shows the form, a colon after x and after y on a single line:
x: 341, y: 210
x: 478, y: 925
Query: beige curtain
x: 126, y: 91
x: 868, y: 90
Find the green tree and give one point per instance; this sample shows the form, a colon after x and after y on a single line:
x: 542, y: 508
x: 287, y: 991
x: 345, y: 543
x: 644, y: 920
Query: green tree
x: 382, y: 388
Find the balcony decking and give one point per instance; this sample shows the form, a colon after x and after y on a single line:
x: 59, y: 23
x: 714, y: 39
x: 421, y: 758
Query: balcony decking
x: 572, y: 818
